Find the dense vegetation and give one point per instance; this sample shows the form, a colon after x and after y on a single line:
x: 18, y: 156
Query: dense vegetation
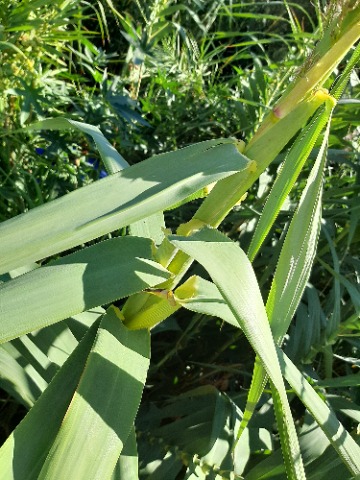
x: 156, y: 77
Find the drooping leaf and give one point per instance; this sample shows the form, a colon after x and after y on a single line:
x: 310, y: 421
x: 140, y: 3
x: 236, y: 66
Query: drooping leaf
x: 113, y: 161
x: 232, y: 273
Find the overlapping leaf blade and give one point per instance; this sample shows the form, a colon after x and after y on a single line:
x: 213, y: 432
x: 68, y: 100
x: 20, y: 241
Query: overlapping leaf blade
x: 30, y: 435
x: 118, y: 200
x: 30, y: 362
x: 90, y: 277
x: 232, y: 273
x: 203, y: 298
x: 293, y: 269
x: 102, y: 411
x: 101, y: 385
x: 340, y: 439
x: 286, y: 179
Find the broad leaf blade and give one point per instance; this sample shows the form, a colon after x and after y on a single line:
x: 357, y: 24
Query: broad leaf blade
x: 30, y: 436
x: 17, y: 381
x: 116, y: 201
x: 231, y: 271
x: 94, y: 276
x: 102, y: 411
x: 28, y: 363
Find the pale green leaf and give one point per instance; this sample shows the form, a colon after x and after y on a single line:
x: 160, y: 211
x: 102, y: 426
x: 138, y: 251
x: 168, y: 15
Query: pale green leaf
x: 293, y: 268
x: 151, y: 227
x: 34, y: 435
x: 201, y: 296
x: 232, y: 273
x: 17, y: 381
x: 29, y: 363
x: 94, y: 276
x: 261, y: 153
x: 298, y: 251
x: 286, y: 178
x: 348, y: 450
x: 127, y: 466
x: 116, y: 201
x: 102, y: 412
x: 113, y: 161
x: 340, y: 439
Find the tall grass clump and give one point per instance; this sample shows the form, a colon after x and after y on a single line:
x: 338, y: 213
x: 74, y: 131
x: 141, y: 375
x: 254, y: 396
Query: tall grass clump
x: 262, y: 269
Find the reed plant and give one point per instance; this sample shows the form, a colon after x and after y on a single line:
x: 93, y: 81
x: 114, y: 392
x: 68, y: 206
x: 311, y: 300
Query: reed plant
x: 82, y: 420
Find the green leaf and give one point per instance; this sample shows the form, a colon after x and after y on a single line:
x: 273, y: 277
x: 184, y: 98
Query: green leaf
x: 31, y: 435
x: 286, y: 178
x: 94, y: 276
x: 29, y: 363
x: 298, y: 251
x: 102, y: 411
x: 201, y: 296
x: 151, y: 227
x: 232, y: 273
x: 343, y: 443
x: 261, y: 152
x: 351, y: 380
x: 127, y: 467
x: 113, y: 161
x: 293, y: 268
x: 15, y: 380
x: 340, y: 439
x: 116, y: 201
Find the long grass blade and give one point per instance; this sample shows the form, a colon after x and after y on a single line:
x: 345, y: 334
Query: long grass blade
x: 293, y: 269
x: 116, y: 201
x: 232, y: 273
x: 287, y: 177
x: 341, y: 440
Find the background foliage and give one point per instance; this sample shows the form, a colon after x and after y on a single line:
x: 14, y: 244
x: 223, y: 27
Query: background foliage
x: 155, y: 77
